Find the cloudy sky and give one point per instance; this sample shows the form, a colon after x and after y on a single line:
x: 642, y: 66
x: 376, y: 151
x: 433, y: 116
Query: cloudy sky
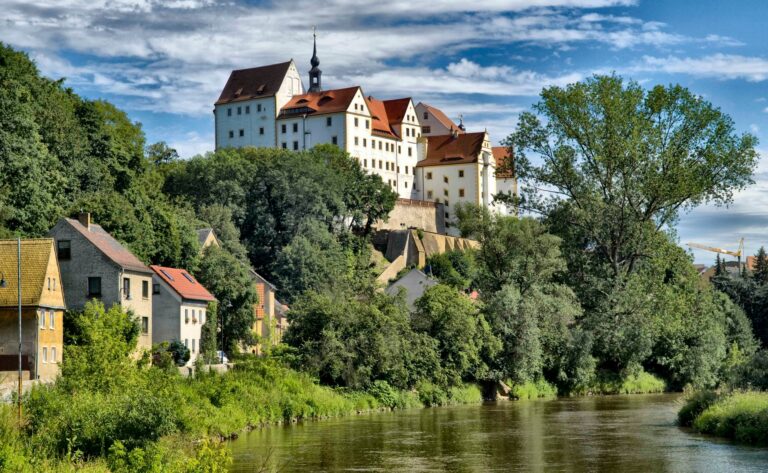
x: 165, y: 62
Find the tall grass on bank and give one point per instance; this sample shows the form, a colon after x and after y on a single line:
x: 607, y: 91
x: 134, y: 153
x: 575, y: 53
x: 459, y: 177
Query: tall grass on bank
x: 741, y: 415
x: 532, y: 390
x: 608, y: 383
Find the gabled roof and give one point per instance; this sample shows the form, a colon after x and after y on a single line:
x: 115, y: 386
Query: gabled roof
x: 380, y: 123
x: 396, y: 110
x: 261, y: 278
x: 183, y: 283
x: 204, y: 233
x: 441, y: 117
x: 110, y: 247
x: 253, y: 83
x: 317, y: 103
x: 505, y: 164
x: 35, y: 256
x: 448, y: 149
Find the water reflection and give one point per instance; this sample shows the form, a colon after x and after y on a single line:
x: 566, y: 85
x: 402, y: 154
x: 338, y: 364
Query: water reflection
x: 611, y: 434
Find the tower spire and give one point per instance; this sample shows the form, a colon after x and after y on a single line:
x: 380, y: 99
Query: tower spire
x: 315, y: 73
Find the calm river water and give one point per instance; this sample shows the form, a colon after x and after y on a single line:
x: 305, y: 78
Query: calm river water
x: 610, y: 434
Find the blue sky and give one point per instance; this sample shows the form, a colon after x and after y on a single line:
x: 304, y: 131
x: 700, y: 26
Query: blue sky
x: 166, y: 62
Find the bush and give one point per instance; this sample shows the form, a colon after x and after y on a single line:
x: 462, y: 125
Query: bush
x: 740, y: 416
x: 611, y: 383
x: 532, y: 390
x: 694, y: 405
x: 431, y: 395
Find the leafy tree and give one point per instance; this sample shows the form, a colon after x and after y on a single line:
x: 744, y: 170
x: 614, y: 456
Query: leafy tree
x: 462, y: 334
x: 160, y: 153
x: 627, y: 160
x: 229, y: 281
x: 455, y: 268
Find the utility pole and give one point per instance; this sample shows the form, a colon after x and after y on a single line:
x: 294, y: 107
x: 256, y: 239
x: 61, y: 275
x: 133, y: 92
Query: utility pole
x: 18, y: 247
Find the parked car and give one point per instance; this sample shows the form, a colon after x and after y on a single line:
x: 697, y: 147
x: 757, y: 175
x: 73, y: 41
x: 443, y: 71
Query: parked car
x: 222, y: 357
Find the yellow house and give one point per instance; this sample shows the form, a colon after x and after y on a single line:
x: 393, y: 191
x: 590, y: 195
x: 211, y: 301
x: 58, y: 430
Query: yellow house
x: 42, y: 310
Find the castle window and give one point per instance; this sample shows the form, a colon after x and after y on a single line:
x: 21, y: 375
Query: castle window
x: 381, y: 164
x: 365, y: 163
x: 429, y: 175
x: 398, y: 169
x: 295, y: 127
x: 447, y: 215
x: 445, y: 179
x: 357, y: 141
x: 461, y: 192
x: 258, y: 107
x: 399, y: 149
x: 295, y: 145
x: 356, y: 122
x: 367, y: 124
x: 242, y: 132
x: 410, y: 153
x: 231, y: 134
x: 461, y: 173
x: 261, y: 130
x: 373, y: 144
x: 247, y: 109
x: 335, y: 140
x: 405, y: 184
x: 239, y: 110
x: 379, y: 145
x: 406, y: 169
x: 283, y: 128
x: 429, y: 194
x: 364, y: 142
x: 285, y: 145
x: 229, y: 112
x: 328, y: 121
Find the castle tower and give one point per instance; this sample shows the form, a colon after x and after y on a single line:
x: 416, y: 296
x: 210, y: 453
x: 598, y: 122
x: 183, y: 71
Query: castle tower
x: 315, y: 73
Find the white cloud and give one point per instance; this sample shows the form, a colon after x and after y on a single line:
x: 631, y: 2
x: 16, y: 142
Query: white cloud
x: 719, y: 66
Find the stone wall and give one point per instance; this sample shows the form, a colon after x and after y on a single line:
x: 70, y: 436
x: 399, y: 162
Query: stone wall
x: 429, y: 216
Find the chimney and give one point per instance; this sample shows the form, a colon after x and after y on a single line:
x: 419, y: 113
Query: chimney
x: 85, y: 220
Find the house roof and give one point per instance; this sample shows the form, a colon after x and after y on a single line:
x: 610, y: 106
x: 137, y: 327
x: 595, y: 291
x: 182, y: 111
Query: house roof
x: 203, y: 234
x: 380, y: 122
x: 505, y: 164
x: 442, y: 118
x: 317, y: 103
x: 448, y: 149
x: 261, y: 278
x: 396, y: 110
x: 183, y: 283
x: 253, y: 83
x: 35, y: 256
x: 110, y: 247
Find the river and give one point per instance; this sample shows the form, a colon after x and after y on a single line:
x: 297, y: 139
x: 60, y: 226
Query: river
x: 588, y: 434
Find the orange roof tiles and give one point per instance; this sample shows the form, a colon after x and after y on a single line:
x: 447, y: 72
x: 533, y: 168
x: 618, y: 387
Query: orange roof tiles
x: 448, y: 149
x: 253, y: 83
x: 379, y: 121
x: 183, y: 283
x: 316, y: 103
x: 505, y: 163
x: 442, y: 118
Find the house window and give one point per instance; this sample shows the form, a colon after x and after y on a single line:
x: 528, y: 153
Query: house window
x: 461, y: 173
x: 445, y: 179
x: 447, y: 215
x: 145, y: 289
x: 426, y: 129
x: 295, y: 127
x: 283, y: 128
x: 64, y: 249
x: 186, y: 342
x: 295, y: 145
x: 335, y: 140
x: 41, y: 317
x: 94, y: 287
x: 186, y: 316
x: 229, y: 112
x: 45, y: 355
x: 328, y: 121
x: 231, y: 134
x: 202, y: 316
x: 426, y: 115
x: 155, y: 288
x: 53, y: 354
x: 239, y: 110
x: 49, y: 284
x: 429, y: 175
x: 357, y: 141
x: 242, y: 132
x: 445, y: 192
x: 127, y: 288
x: 261, y: 130
x: 446, y: 203
x: 461, y: 192
x: 145, y: 325
x: 247, y: 109
x: 356, y: 122
x: 51, y: 320
x: 429, y: 194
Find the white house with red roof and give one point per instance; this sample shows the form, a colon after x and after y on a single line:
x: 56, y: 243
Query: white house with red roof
x: 180, y: 306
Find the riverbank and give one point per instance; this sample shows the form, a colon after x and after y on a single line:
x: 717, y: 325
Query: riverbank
x: 741, y: 416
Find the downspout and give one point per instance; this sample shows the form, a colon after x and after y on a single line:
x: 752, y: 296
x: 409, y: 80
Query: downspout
x: 304, y: 132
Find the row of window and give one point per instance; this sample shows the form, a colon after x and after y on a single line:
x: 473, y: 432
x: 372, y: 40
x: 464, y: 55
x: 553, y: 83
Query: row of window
x: 240, y: 109
x: 94, y: 288
x: 194, y: 318
x: 383, y: 145
x: 295, y: 144
x: 445, y: 193
x: 386, y: 165
x: 53, y: 355
x: 241, y: 132
x: 51, y: 284
x: 445, y: 178
x: 46, y: 319
x: 193, y: 347
x: 393, y: 184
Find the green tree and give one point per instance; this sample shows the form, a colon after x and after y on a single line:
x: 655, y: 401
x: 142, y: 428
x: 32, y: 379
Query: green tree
x: 229, y: 281
x: 760, y: 271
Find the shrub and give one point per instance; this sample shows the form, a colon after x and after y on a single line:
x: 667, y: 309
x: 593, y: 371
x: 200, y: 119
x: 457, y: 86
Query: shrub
x: 431, y: 395
x: 741, y: 416
x: 694, y: 405
x: 532, y: 390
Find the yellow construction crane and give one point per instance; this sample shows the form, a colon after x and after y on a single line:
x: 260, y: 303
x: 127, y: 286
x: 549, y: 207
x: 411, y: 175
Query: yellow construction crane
x: 723, y: 251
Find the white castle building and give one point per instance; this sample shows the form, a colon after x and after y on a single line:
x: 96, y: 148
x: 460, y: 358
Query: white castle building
x: 416, y: 149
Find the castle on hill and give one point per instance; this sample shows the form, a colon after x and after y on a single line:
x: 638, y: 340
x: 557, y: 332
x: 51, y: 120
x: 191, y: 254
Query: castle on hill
x: 416, y: 149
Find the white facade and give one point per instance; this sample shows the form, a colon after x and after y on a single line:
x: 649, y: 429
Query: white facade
x: 177, y: 319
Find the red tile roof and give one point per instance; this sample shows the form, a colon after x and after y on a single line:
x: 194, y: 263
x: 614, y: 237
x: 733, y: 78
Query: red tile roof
x: 316, y: 103
x: 442, y: 118
x: 110, y: 247
x: 253, y: 83
x: 380, y: 123
x: 448, y: 149
x: 505, y: 163
x: 183, y: 283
